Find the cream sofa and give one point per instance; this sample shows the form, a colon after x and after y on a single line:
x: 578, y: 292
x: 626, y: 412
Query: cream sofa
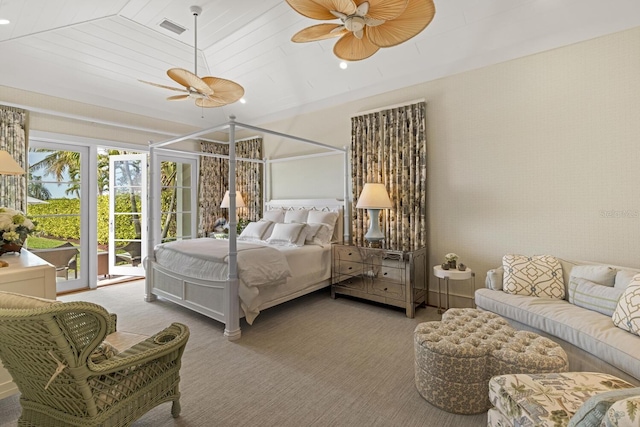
x: 591, y: 339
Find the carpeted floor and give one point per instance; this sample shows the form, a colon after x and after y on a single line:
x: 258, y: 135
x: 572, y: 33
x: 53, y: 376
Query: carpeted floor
x: 309, y: 362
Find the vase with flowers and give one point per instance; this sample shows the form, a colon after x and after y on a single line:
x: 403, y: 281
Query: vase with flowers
x: 15, y: 227
x: 451, y: 259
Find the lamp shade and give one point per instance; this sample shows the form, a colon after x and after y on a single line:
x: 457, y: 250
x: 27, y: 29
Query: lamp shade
x: 374, y: 196
x: 239, y: 200
x: 8, y: 166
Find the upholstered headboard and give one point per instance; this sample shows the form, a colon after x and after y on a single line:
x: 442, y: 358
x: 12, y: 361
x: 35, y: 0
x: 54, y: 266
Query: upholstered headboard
x: 333, y: 205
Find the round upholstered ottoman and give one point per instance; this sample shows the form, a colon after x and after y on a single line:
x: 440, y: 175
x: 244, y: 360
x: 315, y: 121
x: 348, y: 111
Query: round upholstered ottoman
x: 456, y: 357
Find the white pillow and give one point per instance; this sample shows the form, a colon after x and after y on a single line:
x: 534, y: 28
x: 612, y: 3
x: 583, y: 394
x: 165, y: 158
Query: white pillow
x: 324, y: 217
x: 288, y: 234
x: 297, y: 215
x: 623, y: 278
x: 317, y: 233
x: 255, y: 230
x: 600, y: 274
x: 274, y: 215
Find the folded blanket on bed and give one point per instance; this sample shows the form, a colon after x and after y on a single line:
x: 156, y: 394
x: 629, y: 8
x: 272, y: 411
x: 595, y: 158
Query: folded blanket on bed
x: 258, y: 264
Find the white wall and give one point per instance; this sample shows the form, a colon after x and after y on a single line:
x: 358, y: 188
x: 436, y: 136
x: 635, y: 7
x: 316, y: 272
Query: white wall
x: 535, y: 155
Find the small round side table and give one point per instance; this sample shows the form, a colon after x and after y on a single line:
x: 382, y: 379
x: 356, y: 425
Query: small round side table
x: 447, y: 275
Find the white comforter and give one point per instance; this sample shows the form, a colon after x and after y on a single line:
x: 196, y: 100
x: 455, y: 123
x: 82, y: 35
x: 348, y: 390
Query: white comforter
x: 259, y: 265
x: 207, y: 259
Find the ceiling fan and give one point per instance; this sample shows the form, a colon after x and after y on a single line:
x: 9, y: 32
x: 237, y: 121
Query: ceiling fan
x: 206, y: 91
x: 366, y: 26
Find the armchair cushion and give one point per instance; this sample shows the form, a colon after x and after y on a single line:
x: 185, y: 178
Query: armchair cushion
x: 593, y: 411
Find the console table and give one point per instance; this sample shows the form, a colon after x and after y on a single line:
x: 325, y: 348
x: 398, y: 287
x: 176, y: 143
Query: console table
x: 29, y: 275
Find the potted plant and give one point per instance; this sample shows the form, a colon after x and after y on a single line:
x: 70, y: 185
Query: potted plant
x: 451, y: 259
x: 15, y: 227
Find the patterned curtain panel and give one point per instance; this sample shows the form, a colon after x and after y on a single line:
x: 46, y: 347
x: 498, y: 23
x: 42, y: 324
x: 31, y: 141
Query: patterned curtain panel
x: 13, y: 139
x: 390, y: 147
x: 214, y: 182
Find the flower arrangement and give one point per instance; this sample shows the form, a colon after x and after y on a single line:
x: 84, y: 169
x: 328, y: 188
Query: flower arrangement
x: 14, y: 226
x: 451, y: 257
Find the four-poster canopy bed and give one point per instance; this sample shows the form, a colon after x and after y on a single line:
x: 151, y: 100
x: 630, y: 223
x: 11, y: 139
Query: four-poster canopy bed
x: 223, y: 279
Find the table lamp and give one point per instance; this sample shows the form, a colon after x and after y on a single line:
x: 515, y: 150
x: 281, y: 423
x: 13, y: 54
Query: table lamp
x: 239, y: 200
x: 374, y: 197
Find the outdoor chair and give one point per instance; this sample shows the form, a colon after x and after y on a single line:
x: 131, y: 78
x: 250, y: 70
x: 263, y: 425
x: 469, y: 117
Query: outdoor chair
x: 61, y: 257
x: 68, y: 374
x: 132, y: 254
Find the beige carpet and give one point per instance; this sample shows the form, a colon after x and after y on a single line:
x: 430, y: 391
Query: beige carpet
x: 310, y: 362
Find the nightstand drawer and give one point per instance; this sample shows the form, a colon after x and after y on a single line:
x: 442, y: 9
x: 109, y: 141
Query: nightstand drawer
x: 348, y: 267
x: 390, y: 274
x: 355, y: 283
x: 343, y: 254
x: 388, y: 289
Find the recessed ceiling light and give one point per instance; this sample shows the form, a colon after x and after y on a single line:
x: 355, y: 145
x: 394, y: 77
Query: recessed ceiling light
x: 243, y: 101
x: 343, y: 65
x: 4, y: 22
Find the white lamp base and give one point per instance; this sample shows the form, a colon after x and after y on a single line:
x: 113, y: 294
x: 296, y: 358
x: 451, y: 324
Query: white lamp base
x: 374, y: 234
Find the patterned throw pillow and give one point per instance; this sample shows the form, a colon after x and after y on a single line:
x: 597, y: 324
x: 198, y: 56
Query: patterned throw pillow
x: 539, y: 276
x: 627, y: 314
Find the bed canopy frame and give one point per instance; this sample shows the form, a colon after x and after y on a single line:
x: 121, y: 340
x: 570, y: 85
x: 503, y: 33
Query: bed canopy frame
x: 232, y: 312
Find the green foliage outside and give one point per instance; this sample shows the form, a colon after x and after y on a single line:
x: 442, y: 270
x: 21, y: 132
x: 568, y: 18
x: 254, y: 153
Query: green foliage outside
x: 68, y: 227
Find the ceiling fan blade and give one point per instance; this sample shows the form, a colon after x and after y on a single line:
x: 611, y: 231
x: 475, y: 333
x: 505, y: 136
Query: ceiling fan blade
x: 350, y: 48
x: 318, y: 32
x: 209, y: 103
x: 224, y: 91
x: 188, y: 79
x: 414, y: 19
x: 321, y: 9
x: 177, y: 97
x: 163, y: 86
x: 385, y: 9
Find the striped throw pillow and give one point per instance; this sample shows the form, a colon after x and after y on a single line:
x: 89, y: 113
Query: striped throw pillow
x: 593, y: 296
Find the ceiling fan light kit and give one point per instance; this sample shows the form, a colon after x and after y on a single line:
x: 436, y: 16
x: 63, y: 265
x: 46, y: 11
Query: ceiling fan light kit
x: 208, y: 92
x: 366, y: 26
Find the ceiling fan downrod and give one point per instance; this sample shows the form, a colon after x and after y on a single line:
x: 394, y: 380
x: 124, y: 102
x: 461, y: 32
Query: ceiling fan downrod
x: 195, y: 10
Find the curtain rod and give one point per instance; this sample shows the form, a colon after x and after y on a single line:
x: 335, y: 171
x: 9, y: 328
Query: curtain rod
x: 388, y: 107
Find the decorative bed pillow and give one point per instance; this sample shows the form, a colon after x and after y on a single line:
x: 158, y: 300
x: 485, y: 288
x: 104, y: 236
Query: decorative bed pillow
x: 627, y: 313
x: 313, y: 230
x: 291, y: 234
x: 274, y: 215
x: 255, y: 230
x: 600, y: 274
x: 593, y: 296
x: 296, y: 215
x: 324, y: 217
x: 539, y: 276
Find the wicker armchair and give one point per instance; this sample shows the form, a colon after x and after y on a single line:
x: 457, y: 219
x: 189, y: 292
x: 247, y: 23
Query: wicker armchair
x: 69, y: 376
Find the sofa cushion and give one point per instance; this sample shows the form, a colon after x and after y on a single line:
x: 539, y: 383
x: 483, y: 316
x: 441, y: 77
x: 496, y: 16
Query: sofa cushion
x: 539, y: 275
x: 593, y: 296
x: 627, y: 313
x: 600, y: 274
x: 586, y: 329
